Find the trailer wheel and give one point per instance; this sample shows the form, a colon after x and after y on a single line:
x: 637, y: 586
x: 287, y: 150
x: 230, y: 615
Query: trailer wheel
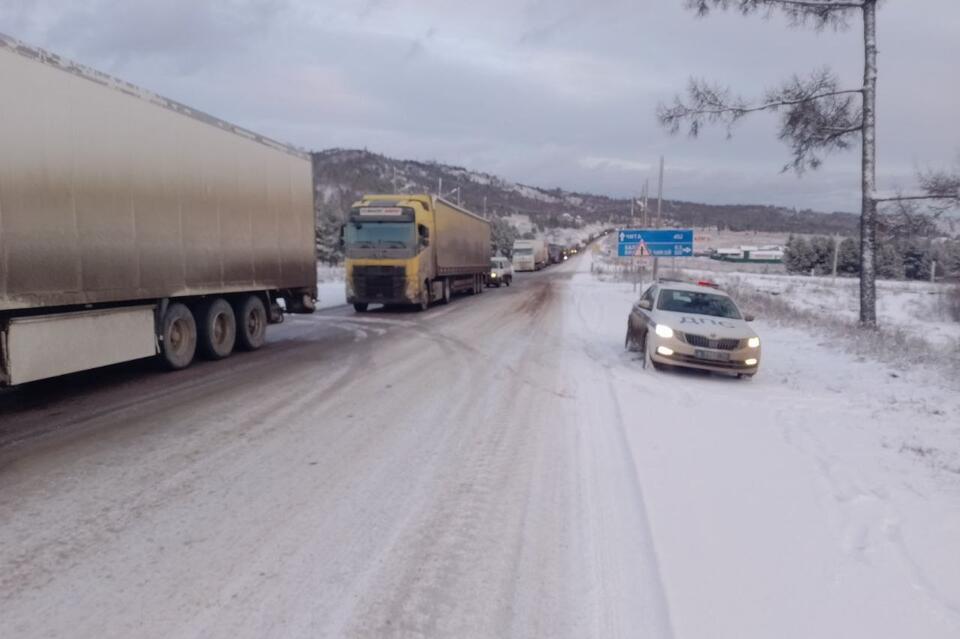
x: 251, y: 323
x: 179, y: 335
x: 360, y: 307
x: 217, y: 329
x: 446, y: 290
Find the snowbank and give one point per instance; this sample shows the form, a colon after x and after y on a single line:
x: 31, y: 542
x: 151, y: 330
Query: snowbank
x: 331, y: 289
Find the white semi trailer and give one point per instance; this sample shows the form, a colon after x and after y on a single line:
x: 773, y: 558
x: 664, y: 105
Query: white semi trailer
x: 133, y: 226
x: 529, y: 255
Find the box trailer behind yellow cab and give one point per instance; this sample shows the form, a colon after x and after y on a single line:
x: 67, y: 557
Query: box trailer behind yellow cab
x: 413, y: 249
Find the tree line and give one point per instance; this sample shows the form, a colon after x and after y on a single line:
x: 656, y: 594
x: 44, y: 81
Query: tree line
x: 896, y: 257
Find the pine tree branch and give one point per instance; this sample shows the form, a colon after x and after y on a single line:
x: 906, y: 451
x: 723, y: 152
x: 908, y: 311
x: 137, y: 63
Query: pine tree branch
x: 772, y: 106
x: 816, y: 115
x: 904, y: 198
x: 822, y: 13
x: 820, y: 6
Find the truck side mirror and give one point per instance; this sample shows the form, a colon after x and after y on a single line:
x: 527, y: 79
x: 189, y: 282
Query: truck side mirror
x: 424, y: 233
x: 343, y: 228
x: 645, y: 305
x: 748, y: 318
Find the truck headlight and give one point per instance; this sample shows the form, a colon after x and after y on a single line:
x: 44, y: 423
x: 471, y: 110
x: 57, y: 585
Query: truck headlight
x: 663, y: 330
x: 493, y: 275
x: 753, y: 342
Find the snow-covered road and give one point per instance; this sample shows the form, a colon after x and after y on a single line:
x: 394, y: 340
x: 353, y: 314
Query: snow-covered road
x: 498, y: 467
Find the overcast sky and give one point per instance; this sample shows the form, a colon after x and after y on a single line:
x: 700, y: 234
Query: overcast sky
x: 547, y: 92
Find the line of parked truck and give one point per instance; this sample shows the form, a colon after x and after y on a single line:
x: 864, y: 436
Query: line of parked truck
x: 535, y: 254
x: 133, y: 226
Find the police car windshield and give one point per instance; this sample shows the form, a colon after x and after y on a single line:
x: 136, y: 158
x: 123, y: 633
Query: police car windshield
x: 697, y: 303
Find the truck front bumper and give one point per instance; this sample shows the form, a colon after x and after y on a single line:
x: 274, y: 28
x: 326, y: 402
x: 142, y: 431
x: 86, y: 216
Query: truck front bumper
x: 381, y: 285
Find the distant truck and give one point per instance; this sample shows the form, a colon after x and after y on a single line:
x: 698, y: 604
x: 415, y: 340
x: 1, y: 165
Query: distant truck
x: 132, y: 226
x: 750, y: 254
x: 555, y: 253
x: 529, y: 255
x: 413, y: 249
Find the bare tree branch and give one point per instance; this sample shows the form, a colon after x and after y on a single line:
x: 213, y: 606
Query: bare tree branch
x: 904, y: 198
x: 942, y: 193
x: 903, y: 220
x: 821, y: 13
x: 816, y: 116
x: 942, y: 185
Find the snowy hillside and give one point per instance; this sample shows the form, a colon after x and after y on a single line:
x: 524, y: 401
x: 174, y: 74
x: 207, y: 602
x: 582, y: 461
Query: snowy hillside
x: 342, y: 175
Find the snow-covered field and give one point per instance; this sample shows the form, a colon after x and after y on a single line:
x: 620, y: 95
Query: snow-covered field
x: 910, y: 313
x: 821, y: 499
x: 916, y: 308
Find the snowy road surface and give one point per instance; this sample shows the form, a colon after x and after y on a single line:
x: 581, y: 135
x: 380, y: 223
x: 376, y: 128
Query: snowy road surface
x: 498, y: 467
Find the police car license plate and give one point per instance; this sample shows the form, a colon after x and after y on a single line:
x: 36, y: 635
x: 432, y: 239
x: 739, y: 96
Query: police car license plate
x: 711, y: 355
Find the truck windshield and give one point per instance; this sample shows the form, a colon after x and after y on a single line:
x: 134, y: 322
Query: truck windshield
x: 381, y: 235
x: 523, y: 251
x: 698, y: 304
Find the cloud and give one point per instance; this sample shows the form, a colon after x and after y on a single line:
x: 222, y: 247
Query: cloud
x: 552, y: 92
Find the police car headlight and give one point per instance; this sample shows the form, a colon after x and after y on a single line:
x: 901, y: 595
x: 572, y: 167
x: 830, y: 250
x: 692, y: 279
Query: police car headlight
x: 664, y: 331
x: 750, y: 362
x: 753, y: 342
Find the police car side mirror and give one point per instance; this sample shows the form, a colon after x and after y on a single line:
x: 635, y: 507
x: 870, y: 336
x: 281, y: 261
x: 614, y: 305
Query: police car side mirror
x: 645, y: 305
x: 748, y: 318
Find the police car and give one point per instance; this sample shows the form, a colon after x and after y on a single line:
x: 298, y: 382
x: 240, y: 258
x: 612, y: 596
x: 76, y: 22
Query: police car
x: 692, y: 324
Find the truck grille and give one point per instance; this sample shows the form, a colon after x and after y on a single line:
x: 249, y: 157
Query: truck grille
x: 702, y: 341
x: 379, y: 282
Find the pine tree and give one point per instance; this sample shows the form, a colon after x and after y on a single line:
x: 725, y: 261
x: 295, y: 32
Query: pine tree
x: 502, y: 236
x: 798, y: 255
x: 916, y: 260
x: 818, y: 115
x: 889, y: 261
x: 329, y: 223
x: 821, y: 258
x: 848, y: 257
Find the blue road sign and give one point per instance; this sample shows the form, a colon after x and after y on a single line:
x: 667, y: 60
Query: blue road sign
x: 655, y: 242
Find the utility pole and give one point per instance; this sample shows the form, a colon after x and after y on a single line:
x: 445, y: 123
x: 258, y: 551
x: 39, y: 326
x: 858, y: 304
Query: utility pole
x: 836, y: 252
x: 656, y: 261
x: 440, y: 186
x: 660, y: 196
x: 484, y: 207
x: 646, y: 210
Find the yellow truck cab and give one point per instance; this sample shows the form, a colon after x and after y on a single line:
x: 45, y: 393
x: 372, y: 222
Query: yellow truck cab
x: 413, y: 249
